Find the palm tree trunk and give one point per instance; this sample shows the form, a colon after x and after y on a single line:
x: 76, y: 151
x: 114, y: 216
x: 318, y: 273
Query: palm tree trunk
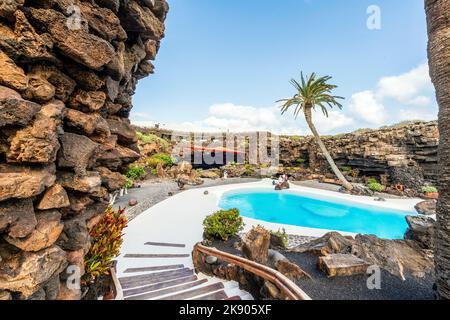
x: 337, y: 172
x: 438, y: 18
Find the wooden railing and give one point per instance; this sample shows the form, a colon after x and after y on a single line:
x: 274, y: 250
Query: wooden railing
x: 289, y: 288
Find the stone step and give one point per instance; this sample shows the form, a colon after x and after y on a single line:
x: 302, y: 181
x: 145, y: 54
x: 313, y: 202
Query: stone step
x: 157, y: 268
x: 234, y: 298
x: 162, y: 244
x: 163, y: 292
x: 153, y: 278
x: 150, y: 256
x: 219, y: 295
x: 159, y: 286
x: 196, y: 292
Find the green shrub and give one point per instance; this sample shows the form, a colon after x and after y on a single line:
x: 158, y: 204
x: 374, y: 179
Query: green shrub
x: 347, y: 169
x: 301, y: 160
x: 377, y: 187
x: 160, y: 158
x: 223, y: 224
x: 429, y: 189
x: 249, y: 170
x: 372, y: 181
x: 151, y: 138
x: 135, y: 172
x: 128, y: 183
x: 281, y: 233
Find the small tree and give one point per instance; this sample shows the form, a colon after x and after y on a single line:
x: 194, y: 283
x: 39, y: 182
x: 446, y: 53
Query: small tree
x: 315, y: 92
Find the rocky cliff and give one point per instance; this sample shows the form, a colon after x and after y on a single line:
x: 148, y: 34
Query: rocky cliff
x: 68, y: 69
x: 387, y: 151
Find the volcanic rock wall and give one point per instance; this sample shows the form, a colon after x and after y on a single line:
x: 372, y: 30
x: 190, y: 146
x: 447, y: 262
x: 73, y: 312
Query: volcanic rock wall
x: 373, y: 152
x: 68, y: 69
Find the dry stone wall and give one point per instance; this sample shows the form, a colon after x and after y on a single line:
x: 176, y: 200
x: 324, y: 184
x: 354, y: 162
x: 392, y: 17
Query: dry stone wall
x: 68, y: 69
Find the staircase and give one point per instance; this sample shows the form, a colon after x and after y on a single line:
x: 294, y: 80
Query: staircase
x: 166, y: 274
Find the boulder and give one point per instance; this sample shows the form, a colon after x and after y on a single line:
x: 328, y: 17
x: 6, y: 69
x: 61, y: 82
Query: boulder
x: 22, y: 182
x: 282, y: 186
x: 17, y: 218
x: 75, y: 43
x: 7, y: 8
x: 67, y: 294
x: 409, y: 176
x: 421, y: 229
x: 86, y: 79
x: 78, y: 203
x: 255, y: 245
x: 280, y: 263
x: 136, y: 18
x: 24, y: 44
x: 75, y: 235
x: 88, y: 101
x: 210, y: 174
x: 103, y: 22
x: 117, y: 157
x: 403, y: 258
x: 427, y: 208
x: 45, y: 234
x: 39, y: 89
x: 63, y: 84
x: 5, y: 295
x: 92, y: 125
x: 110, y: 4
x: 332, y: 242
x: 38, y: 143
x: 11, y: 75
x: 77, y: 152
x: 88, y: 183
x: 14, y: 110
x: 339, y: 265
x: 54, y: 198
x: 124, y: 131
x: 25, y: 272
x: 111, y: 180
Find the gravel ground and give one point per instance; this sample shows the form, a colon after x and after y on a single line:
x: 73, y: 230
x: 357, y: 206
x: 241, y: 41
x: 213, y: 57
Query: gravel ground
x: 152, y: 192
x: 355, y: 287
x: 320, y: 287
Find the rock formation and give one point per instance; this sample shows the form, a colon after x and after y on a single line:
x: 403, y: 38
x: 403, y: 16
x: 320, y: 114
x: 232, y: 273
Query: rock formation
x: 390, y: 151
x: 68, y: 69
x: 404, y: 154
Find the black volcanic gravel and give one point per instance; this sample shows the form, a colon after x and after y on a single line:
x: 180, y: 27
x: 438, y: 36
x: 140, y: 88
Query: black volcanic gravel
x: 355, y: 288
x: 347, y: 288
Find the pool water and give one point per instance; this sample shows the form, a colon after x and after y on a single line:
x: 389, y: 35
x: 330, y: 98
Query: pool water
x: 320, y: 213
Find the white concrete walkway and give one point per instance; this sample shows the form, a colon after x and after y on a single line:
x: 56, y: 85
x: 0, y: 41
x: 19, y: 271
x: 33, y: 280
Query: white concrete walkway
x: 178, y: 220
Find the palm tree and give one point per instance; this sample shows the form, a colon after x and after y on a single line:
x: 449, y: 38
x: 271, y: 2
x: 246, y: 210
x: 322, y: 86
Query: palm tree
x: 438, y: 18
x: 315, y: 92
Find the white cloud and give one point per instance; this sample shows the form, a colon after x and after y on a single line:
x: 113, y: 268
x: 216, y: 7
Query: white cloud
x: 408, y: 96
x: 365, y: 106
x: 406, y: 88
x: 236, y: 118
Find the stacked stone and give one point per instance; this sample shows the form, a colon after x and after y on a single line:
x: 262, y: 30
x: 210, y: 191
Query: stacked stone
x: 68, y: 69
x: 372, y: 152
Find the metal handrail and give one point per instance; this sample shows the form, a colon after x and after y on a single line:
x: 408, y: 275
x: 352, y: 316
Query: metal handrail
x: 288, y: 287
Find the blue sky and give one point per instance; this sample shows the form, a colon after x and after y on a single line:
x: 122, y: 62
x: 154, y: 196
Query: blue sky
x: 224, y: 63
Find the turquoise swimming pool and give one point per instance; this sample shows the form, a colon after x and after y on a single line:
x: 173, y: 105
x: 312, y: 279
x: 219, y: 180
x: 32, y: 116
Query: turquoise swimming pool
x: 296, y: 209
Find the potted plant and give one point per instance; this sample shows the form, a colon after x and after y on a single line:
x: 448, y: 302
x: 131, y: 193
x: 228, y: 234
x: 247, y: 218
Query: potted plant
x: 430, y: 192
